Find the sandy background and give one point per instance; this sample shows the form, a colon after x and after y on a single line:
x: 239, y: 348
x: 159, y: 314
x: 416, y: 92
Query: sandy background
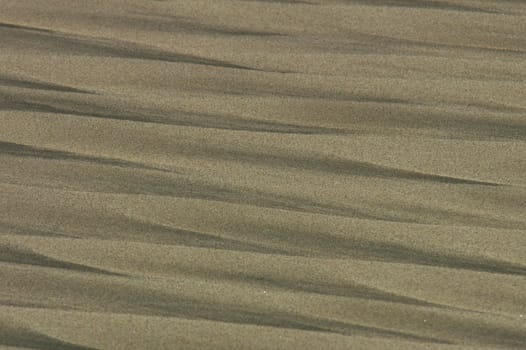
x: 221, y: 174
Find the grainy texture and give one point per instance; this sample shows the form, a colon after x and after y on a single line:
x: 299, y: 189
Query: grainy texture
x: 227, y: 174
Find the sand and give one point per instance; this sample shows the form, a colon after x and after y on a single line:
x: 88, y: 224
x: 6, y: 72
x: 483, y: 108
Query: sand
x: 228, y: 174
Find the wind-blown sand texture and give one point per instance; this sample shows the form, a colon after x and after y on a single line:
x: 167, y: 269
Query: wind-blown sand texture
x: 258, y: 174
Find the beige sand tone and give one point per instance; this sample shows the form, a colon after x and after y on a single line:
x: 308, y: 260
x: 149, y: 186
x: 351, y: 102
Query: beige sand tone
x: 227, y: 174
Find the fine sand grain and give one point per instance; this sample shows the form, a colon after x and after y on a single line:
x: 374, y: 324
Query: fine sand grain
x: 262, y: 174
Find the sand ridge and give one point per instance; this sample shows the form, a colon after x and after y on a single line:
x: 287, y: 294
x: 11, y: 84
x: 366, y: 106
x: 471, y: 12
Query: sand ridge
x: 259, y: 174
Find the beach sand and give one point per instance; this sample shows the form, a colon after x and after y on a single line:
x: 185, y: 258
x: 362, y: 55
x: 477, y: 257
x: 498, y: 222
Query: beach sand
x: 228, y: 174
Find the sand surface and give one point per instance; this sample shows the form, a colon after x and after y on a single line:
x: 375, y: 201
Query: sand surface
x: 229, y: 174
